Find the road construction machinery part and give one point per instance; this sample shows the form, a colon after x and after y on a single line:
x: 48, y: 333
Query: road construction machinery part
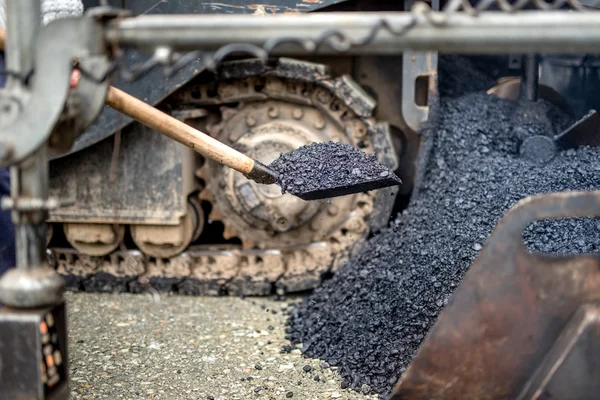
x: 421, y: 29
x: 286, y: 244
x: 530, y: 77
x: 39, y: 339
x: 138, y: 176
x: 521, y: 325
x: 94, y: 239
x: 253, y: 212
x: 59, y: 44
x: 538, y: 149
x: 164, y: 241
x: 585, y: 132
x: 32, y: 283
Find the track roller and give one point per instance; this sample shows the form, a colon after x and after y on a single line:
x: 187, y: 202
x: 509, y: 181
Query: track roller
x: 94, y: 239
x: 164, y: 241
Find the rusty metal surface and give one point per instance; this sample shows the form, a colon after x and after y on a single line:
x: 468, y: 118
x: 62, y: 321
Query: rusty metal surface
x: 508, y: 312
x: 571, y: 369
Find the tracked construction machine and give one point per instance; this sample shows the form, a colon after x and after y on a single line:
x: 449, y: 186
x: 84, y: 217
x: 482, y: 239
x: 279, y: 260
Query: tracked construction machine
x: 149, y: 211
x: 143, y: 210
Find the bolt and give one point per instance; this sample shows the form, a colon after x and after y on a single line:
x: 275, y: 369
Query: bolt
x: 319, y: 122
x: 282, y: 221
x: 297, y: 113
x: 250, y: 121
x: 281, y: 224
x: 273, y: 112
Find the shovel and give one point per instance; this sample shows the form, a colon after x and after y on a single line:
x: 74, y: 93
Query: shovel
x: 542, y: 149
x: 223, y: 154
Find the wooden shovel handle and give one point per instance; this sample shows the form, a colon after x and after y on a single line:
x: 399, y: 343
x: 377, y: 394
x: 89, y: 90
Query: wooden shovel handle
x: 178, y: 131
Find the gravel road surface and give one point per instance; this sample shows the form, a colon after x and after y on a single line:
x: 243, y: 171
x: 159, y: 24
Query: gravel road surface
x: 125, y: 346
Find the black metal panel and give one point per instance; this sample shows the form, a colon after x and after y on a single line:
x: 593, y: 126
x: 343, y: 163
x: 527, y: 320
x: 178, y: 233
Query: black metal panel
x: 33, y: 354
x: 155, y: 86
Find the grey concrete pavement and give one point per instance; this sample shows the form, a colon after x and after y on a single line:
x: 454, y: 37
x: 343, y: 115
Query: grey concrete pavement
x: 125, y: 346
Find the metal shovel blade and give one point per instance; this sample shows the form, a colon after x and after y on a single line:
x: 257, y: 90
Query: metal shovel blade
x: 343, y: 190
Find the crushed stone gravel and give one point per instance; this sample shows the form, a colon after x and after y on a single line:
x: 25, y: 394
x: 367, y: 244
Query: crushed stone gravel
x: 321, y: 166
x: 371, y: 317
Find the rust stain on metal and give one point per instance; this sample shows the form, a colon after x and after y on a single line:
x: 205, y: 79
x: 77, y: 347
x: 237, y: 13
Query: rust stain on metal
x: 508, y: 312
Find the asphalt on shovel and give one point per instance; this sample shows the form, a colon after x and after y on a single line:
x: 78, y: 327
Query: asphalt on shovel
x: 249, y: 167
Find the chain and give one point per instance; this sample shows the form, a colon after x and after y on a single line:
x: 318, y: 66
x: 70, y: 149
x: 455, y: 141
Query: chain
x: 511, y: 7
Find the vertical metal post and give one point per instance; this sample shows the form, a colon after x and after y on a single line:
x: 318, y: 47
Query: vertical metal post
x: 30, y: 180
x: 530, y: 77
x: 24, y: 18
x: 33, y: 283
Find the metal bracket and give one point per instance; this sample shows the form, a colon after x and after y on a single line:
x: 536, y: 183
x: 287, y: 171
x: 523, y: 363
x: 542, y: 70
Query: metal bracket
x: 59, y: 44
x: 419, y: 80
x: 566, y: 373
x: 508, y: 312
x: 32, y: 204
x: 419, y: 73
